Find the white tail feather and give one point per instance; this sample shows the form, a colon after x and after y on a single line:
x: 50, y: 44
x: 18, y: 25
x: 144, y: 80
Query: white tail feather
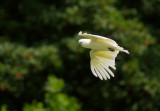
x: 126, y: 51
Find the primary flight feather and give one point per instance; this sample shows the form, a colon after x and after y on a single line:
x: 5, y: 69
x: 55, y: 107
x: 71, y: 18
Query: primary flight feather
x: 103, y: 53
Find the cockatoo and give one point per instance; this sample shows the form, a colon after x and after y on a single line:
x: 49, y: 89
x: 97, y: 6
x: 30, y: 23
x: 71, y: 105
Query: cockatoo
x: 103, y: 53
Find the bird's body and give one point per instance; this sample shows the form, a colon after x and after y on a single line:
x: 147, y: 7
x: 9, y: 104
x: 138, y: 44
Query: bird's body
x: 103, y: 54
x: 96, y: 44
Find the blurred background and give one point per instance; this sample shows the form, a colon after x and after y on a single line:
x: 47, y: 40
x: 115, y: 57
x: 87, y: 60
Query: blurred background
x: 43, y: 69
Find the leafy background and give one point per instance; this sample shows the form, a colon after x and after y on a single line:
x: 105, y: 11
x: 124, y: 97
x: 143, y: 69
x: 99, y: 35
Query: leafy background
x: 43, y: 69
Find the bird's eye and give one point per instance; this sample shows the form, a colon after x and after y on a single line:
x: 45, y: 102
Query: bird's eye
x: 110, y: 49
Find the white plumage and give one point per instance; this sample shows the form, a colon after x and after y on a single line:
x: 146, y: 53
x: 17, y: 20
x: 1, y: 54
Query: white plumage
x: 103, y: 53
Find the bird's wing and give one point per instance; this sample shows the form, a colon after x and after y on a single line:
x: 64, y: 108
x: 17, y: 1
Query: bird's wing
x: 92, y: 36
x: 100, y: 63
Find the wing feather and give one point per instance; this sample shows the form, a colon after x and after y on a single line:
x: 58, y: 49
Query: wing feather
x: 108, y: 62
x: 92, y: 36
x: 105, y: 72
x: 100, y: 63
x: 93, y: 71
x: 102, y: 72
x: 108, y: 70
x: 99, y: 75
x: 95, y: 66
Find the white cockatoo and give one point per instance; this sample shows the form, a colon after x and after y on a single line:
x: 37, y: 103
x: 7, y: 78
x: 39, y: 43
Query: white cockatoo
x: 103, y: 53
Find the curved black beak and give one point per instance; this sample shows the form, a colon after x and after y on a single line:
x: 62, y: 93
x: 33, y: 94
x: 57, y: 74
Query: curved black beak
x: 79, y: 44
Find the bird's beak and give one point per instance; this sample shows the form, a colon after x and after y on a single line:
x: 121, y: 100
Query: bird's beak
x: 79, y: 44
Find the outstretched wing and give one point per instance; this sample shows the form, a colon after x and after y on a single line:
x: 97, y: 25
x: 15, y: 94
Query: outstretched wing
x: 105, y: 40
x: 100, y: 63
x: 92, y: 36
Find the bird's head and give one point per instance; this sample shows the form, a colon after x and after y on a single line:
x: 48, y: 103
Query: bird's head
x: 84, y: 42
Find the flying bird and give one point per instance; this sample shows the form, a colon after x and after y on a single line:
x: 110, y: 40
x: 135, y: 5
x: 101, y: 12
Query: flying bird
x: 103, y: 53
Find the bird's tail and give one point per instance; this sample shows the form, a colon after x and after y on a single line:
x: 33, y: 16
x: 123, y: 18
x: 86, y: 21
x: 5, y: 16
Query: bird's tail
x: 122, y: 49
x: 126, y: 51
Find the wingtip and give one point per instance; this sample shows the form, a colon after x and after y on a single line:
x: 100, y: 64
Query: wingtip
x: 80, y: 33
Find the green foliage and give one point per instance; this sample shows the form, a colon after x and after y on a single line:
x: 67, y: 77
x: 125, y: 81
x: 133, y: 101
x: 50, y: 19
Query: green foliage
x: 38, y: 43
x: 54, y: 85
x: 55, y: 100
x: 3, y: 108
x: 34, y: 107
x: 18, y: 62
